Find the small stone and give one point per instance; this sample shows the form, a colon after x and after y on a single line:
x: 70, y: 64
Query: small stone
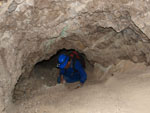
x: 42, y: 78
x: 135, y: 59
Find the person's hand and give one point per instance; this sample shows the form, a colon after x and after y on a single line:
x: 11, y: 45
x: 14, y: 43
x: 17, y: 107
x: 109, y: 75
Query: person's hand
x: 63, y: 82
x: 62, y: 79
x: 79, y: 86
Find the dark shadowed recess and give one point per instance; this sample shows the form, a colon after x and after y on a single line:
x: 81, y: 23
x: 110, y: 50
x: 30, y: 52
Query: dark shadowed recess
x: 43, y: 74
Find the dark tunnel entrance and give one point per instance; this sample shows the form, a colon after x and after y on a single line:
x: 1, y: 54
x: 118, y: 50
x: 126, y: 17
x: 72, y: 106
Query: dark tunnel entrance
x: 43, y: 74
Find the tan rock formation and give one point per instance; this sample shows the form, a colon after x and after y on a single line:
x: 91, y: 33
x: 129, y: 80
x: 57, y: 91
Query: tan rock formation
x: 33, y: 30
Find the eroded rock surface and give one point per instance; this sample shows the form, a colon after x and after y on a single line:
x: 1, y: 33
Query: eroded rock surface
x: 33, y: 30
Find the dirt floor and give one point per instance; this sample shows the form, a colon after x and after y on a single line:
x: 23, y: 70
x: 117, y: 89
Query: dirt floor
x: 127, y: 91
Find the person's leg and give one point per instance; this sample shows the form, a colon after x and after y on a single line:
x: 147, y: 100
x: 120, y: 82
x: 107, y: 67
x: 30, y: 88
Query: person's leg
x: 58, y: 79
x: 72, y: 79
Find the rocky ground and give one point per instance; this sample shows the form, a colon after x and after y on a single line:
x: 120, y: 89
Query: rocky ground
x: 126, y: 91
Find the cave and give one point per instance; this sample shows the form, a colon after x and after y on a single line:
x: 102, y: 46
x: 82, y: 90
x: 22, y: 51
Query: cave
x: 112, y: 35
x: 43, y: 74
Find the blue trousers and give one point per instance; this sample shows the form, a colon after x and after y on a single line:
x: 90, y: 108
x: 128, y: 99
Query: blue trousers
x: 69, y: 79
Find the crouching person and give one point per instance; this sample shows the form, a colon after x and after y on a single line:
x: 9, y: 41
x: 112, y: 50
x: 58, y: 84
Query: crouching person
x: 71, y: 70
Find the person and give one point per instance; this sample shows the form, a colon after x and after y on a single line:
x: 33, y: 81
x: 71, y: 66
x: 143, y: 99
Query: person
x: 71, y: 70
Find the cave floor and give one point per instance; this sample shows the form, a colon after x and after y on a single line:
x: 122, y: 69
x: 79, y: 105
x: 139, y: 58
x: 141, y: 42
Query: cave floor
x: 127, y: 92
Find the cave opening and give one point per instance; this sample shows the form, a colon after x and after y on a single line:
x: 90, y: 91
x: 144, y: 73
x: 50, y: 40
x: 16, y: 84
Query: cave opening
x: 43, y: 74
x: 102, y: 51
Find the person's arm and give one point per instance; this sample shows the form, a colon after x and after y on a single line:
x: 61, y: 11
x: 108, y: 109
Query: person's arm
x: 83, y: 75
x: 61, y: 75
x: 61, y: 79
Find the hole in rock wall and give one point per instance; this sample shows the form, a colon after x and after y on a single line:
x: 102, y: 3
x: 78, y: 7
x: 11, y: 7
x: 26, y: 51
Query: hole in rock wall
x: 43, y: 74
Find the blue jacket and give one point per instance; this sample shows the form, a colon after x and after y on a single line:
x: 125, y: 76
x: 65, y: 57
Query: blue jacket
x: 73, y: 74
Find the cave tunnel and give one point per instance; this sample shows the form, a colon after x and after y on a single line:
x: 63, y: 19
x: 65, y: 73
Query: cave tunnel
x: 44, y: 73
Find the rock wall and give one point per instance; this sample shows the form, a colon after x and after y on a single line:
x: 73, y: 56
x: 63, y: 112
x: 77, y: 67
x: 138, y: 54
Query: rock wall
x: 33, y: 30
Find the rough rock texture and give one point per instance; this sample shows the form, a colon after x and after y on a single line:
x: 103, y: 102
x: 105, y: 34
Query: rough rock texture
x: 33, y: 30
x: 43, y: 74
